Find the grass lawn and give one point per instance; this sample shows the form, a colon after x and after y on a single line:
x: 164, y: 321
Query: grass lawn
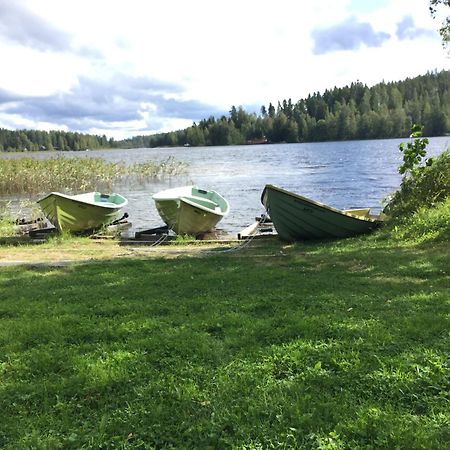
x: 323, y: 346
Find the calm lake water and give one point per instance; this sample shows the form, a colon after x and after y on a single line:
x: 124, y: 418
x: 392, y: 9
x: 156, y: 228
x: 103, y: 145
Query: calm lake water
x: 348, y: 174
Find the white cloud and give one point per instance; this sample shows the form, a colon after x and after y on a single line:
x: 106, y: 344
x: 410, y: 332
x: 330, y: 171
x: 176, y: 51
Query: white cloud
x: 194, y: 59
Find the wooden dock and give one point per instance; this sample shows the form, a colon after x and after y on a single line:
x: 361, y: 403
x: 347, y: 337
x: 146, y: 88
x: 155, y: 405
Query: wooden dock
x: 23, y: 226
x: 261, y: 228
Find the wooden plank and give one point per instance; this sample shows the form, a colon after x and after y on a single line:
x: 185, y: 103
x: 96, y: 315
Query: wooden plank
x: 263, y: 218
x: 151, y: 232
x: 171, y: 240
x: 26, y: 228
x: 42, y: 232
x: 111, y: 231
x: 248, y: 231
x: 23, y: 226
x: 262, y: 226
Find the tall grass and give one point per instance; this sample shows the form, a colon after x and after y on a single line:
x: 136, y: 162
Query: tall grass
x: 29, y: 175
x: 424, y: 226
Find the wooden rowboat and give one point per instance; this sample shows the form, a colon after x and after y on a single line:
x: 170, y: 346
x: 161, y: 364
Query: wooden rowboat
x: 296, y: 218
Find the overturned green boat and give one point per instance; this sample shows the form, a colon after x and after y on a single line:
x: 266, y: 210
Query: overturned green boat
x: 191, y: 210
x: 296, y: 218
x: 81, y: 212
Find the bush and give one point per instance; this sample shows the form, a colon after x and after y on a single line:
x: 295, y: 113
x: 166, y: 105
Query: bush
x: 429, y: 187
x: 425, y: 182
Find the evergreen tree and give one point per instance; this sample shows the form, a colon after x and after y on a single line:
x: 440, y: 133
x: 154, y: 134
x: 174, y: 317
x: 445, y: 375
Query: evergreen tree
x: 349, y: 112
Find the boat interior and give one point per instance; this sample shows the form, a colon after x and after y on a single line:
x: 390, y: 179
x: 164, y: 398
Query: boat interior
x: 362, y: 212
x: 115, y: 199
x: 206, y: 199
x: 206, y: 203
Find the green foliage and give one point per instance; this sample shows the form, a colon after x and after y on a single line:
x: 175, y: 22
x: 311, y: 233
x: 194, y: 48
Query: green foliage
x: 444, y: 31
x: 319, y: 346
x: 423, y: 185
x: 414, y: 152
x: 428, y: 187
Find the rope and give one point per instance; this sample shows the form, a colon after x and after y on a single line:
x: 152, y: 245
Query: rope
x: 159, y: 241
x: 245, y: 242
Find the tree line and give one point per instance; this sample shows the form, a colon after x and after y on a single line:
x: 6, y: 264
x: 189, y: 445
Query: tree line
x: 35, y: 140
x: 386, y: 110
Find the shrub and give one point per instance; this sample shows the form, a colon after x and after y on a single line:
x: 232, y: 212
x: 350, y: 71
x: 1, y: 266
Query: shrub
x: 425, y: 182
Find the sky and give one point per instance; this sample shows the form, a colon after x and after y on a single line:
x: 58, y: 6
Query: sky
x: 138, y: 67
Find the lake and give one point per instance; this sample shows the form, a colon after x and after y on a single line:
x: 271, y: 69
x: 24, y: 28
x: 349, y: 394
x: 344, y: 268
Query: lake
x: 348, y: 174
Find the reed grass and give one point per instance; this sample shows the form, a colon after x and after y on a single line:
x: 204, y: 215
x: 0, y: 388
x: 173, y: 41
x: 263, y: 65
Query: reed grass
x: 151, y: 170
x: 30, y: 176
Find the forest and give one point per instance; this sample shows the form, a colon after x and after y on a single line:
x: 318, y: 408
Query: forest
x: 35, y: 140
x: 385, y: 110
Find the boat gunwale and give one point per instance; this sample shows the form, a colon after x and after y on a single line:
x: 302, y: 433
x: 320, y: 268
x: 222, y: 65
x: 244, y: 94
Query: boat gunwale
x: 314, y: 203
x: 184, y: 194
x: 106, y: 205
x: 161, y: 194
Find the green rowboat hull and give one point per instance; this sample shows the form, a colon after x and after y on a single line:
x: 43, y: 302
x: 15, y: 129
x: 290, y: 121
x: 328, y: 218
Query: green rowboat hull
x: 190, y: 210
x: 297, y: 218
x: 81, y: 212
x: 186, y: 219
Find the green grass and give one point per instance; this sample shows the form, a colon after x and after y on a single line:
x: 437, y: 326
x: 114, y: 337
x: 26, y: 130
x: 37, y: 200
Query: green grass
x: 6, y: 228
x: 425, y: 225
x: 324, y: 346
